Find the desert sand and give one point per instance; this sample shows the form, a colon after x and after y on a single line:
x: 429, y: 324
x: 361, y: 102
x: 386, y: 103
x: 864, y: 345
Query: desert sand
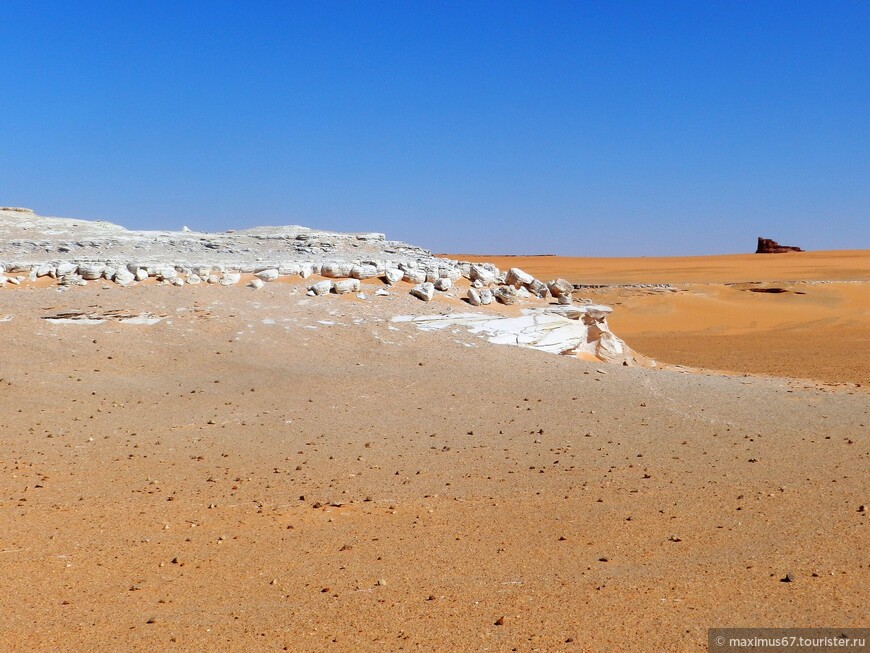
x: 267, y: 471
x: 211, y: 468
x: 803, y: 315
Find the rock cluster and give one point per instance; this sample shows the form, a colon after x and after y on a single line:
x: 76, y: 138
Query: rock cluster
x: 768, y: 246
x: 75, y: 252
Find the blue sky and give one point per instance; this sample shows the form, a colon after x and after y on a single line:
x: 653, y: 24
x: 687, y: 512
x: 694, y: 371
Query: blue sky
x: 584, y: 128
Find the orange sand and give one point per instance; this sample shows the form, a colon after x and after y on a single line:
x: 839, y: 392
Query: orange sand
x: 713, y: 319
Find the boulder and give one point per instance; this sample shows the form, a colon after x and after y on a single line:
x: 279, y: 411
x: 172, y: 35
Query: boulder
x: 91, y: 271
x: 256, y: 283
x: 336, y: 270
x: 486, y: 296
x: 393, y: 276
x: 538, y: 288
x: 64, y: 268
x: 321, y: 287
x: 505, y: 294
x: 443, y: 284
x: 424, y: 291
x: 230, y: 278
x: 346, y: 286
x: 516, y: 278
x: 364, y: 272
x: 124, y: 277
x: 46, y: 269
x: 267, y: 275
x: 484, y: 275
x: 141, y: 274
x: 474, y: 297
x: 559, y: 287
x: 564, y: 300
x: 414, y: 276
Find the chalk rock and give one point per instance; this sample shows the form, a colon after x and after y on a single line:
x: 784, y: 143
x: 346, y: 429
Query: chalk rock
x: 166, y: 273
x: 321, y: 287
x: 91, y: 271
x: 486, y: 296
x: 364, y: 271
x: 178, y: 281
x: 124, y: 277
x: 194, y: 279
x: 564, y: 300
x: 335, y: 270
x: 443, y: 284
x: 516, y: 277
x: 267, y: 275
x: 381, y: 292
x: 46, y: 269
x: 346, y: 286
x: 64, y: 268
x: 415, y: 276
x: 559, y: 287
x: 256, y: 284
x: 393, y: 276
x: 538, y: 288
x: 505, y: 294
x: 230, y: 278
x: 485, y: 275
x: 474, y: 296
x: 306, y: 270
x: 141, y: 274
x: 424, y: 291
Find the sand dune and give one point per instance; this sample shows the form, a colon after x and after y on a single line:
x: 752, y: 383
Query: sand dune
x: 720, y: 314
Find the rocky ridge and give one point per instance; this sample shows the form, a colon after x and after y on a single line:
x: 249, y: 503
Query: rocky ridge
x: 75, y: 252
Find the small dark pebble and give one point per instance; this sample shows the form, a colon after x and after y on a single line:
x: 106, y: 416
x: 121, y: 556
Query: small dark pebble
x: 602, y: 559
x: 499, y: 621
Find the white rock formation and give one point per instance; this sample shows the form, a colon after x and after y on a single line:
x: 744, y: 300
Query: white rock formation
x: 346, y: 286
x: 577, y: 331
x: 270, y: 274
x: 516, y: 278
x: 424, y: 291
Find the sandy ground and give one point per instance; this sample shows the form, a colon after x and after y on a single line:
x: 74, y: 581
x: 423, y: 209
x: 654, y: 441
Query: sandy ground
x: 260, y: 471
x: 721, y: 313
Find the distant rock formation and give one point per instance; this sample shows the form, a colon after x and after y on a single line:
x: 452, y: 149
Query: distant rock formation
x: 768, y: 246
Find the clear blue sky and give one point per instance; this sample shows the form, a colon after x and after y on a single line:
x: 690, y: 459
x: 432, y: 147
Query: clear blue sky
x: 589, y: 128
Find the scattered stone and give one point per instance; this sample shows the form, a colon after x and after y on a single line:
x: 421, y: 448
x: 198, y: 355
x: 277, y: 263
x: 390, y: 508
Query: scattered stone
x: 505, y: 294
x: 443, y: 284
x: 267, y: 275
x: 393, y: 276
x: 538, y: 288
x: 474, y: 297
x: 91, y: 271
x: 256, y: 284
x: 346, y: 286
x: 486, y: 296
x: 364, y: 272
x: 230, y: 278
x: 322, y: 287
x: 414, y: 276
x: 380, y: 292
x: 564, y: 300
x: 499, y: 621
x: 516, y: 278
x: 558, y: 287
x: 788, y: 578
x: 424, y: 291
